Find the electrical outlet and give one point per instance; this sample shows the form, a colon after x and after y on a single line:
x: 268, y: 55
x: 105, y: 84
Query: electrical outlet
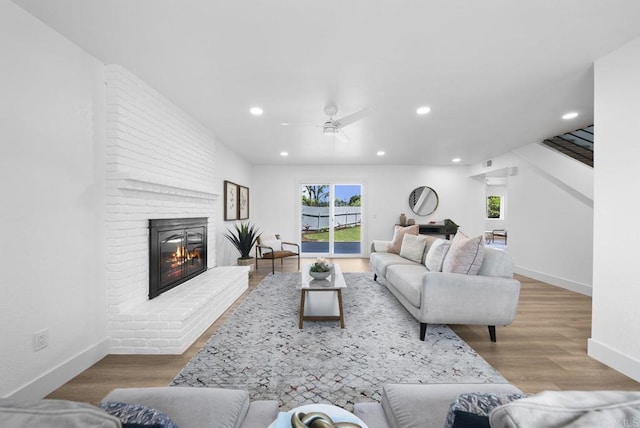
x: 40, y: 339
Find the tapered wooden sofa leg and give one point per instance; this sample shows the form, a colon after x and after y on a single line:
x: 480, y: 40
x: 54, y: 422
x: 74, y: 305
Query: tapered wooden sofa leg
x: 492, y: 332
x: 375, y: 276
x: 423, y: 330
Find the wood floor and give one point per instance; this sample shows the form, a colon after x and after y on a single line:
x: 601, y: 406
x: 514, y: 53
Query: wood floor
x: 544, y: 349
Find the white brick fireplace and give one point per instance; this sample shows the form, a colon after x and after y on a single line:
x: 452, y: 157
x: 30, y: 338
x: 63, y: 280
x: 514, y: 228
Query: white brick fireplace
x: 160, y: 164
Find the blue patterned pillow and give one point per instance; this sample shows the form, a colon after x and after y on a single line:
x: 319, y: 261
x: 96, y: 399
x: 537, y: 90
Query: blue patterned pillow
x: 137, y: 416
x: 477, y: 403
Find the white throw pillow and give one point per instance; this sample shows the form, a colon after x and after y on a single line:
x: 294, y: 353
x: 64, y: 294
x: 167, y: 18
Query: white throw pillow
x: 436, y: 255
x: 465, y: 255
x: 270, y: 241
x: 413, y: 247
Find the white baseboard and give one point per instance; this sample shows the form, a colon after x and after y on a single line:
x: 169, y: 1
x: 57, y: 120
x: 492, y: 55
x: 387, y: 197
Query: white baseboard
x: 578, y: 287
x: 59, y: 375
x: 614, y: 359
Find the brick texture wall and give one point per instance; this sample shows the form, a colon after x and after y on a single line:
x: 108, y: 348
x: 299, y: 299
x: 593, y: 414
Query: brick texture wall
x: 160, y: 164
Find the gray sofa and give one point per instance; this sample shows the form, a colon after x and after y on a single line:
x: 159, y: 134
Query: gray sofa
x: 191, y: 407
x: 489, y: 298
x: 419, y: 405
x: 186, y: 407
x: 427, y: 406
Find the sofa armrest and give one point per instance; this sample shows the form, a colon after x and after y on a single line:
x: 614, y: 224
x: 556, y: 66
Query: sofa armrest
x: 379, y: 246
x: 190, y: 407
x: 427, y: 405
x: 453, y: 298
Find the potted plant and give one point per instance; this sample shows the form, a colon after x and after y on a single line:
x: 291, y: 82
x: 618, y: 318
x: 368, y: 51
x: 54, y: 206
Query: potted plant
x: 244, y: 237
x: 320, y: 269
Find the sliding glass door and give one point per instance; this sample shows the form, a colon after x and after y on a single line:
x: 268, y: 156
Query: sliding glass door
x: 331, y: 219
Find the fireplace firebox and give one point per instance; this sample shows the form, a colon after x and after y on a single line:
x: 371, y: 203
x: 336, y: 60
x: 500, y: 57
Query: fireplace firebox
x: 177, y: 252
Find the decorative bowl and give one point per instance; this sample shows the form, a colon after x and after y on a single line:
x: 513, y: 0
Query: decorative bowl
x: 319, y: 275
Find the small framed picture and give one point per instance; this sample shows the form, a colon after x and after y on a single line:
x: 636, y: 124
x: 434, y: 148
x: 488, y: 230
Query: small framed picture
x: 230, y: 201
x: 243, y: 203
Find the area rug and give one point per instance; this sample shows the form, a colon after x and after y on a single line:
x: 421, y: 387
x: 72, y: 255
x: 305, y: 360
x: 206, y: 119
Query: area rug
x: 261, y: 349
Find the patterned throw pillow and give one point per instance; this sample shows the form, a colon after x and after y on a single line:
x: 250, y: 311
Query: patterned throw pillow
x: 465, y: 255
x: 413, y: 247
x: 479, y: 404
x: 134, y: 415
x: 398, y: 234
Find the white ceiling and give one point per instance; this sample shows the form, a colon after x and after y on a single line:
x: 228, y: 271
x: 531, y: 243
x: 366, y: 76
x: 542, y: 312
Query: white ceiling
x: 497, y: 74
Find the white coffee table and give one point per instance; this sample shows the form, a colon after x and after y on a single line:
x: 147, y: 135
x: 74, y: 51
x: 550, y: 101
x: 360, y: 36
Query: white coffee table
x: 337, y: 414
x: 315, y: 303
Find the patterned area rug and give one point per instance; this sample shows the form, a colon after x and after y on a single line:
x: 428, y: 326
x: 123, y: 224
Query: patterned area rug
x: 261, y: 349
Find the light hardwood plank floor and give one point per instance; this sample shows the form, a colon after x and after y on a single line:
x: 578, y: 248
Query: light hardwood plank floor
x: 544, y: 349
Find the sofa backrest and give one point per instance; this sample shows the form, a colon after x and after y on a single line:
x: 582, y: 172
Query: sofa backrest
x: 496, y: 263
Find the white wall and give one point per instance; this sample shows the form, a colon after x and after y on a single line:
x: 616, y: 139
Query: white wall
x: 550, y: 215
x: 233, y: 168
x: 51, y: 213
x: 615, y: 333
x: 385, y: 194
x: 550, y: 230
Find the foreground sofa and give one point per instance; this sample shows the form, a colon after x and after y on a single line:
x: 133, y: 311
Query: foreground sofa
x: 187, y: 407
x: 429, y: 406
x: 420, y: 405
x: 489, y: 297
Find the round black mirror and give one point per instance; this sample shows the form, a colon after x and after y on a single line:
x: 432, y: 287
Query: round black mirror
x: 423, y: 200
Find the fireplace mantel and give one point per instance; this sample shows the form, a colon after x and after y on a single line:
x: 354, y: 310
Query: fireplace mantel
x: 160, y: 185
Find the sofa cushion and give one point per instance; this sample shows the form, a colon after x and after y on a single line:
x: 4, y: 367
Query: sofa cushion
x: 478, y: 403
x: 436, y: 255
x: 190, y: 407
x: 465, y: 255
x: 555, y: 409
x: 380, y: 262
x: 413, y: 247
x: 407, y: 279
x: 53, y: 414
x: 398, y: 234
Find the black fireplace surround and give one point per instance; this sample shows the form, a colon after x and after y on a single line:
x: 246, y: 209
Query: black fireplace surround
x: 177, y: 252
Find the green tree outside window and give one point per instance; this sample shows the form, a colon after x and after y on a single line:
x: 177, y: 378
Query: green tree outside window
x: 493, y: 206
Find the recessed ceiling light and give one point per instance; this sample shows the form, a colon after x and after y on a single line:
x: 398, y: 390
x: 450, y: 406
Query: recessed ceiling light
x: 456, y: 160
x: 569, y: 116
x: 423, y: 110
x: 284, y: 124
x: 380, y: 153
x: 256, y: 111
x: 284, y: 154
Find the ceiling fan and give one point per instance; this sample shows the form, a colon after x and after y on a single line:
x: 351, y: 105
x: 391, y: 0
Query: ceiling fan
x: 333, y: 127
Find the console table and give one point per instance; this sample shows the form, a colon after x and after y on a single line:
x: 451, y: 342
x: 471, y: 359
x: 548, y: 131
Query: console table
x: 437, y: 229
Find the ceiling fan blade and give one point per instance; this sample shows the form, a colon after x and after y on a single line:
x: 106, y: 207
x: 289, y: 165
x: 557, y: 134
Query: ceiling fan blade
x: 354, y: 117
x: 342, y: 137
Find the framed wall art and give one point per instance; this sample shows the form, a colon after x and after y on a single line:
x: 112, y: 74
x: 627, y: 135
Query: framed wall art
x: 230, y: 201
x: 243, y: 203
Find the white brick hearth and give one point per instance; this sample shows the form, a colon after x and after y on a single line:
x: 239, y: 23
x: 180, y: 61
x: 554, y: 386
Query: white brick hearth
x: 172, y: 321
x: 160, y: 164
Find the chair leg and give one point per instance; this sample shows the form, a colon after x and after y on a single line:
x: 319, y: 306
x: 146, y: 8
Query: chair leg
x: 298, y: 261
x: 375, y: 276
x: 492, y: 332
x: 273, y: 266
x: 423, y: 330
